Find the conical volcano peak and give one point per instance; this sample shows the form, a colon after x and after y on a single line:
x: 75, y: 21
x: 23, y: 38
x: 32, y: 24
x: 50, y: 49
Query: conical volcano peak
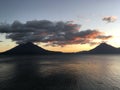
x: 27, y: 48
x: 28, y: 43
x: 104, y: 48
x: 104, y: 45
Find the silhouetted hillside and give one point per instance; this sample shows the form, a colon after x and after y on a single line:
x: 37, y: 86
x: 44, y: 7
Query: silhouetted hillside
x: 28, y: 48
x: 103, y: 48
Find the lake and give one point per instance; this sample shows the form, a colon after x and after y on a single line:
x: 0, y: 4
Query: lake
x: 60, y: 72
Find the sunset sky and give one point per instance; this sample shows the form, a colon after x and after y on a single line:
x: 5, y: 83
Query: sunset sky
x: 59, y: 25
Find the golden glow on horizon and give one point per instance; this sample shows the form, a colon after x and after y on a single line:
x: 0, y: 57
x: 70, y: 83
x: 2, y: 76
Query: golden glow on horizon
x: 6, y: 45
x: 69, y: 48
x: 115, y: 41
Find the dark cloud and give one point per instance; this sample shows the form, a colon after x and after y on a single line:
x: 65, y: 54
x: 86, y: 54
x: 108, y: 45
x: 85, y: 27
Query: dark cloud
x: 109, y: 19
x: 51, y: 33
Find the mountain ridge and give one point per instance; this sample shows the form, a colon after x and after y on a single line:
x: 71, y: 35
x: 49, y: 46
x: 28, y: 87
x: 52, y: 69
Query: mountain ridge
x: 103, y: 48
x: 32, y: 49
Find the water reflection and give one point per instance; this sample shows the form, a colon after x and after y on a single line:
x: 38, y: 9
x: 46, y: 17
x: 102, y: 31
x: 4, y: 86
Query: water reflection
x: 6, y: 74
x: 60, y: 73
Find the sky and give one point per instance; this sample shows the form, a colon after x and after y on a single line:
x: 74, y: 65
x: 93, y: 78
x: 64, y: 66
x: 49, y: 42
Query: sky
x: 59, y: 25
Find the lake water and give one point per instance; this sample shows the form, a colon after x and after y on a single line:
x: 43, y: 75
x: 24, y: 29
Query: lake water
x: 60, y: 72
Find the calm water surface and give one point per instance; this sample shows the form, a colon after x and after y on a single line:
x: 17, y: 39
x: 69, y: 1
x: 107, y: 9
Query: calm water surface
x: 60, y: 72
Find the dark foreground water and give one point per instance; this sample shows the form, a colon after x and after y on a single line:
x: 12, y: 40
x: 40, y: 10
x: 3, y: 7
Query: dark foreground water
x: 61, y: 72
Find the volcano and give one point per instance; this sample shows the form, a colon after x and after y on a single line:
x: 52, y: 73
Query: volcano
x: 104, y: 48
x: 28, y: 48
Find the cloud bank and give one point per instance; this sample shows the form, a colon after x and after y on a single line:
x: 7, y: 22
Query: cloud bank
x: 52, y: 33
x: 109, y: 18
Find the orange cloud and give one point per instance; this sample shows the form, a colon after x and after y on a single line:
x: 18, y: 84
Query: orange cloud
x: 93, y: 35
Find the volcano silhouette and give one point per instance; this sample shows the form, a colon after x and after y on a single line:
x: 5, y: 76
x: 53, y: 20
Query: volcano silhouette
x: 104, y: 48
x: 28, y: 48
